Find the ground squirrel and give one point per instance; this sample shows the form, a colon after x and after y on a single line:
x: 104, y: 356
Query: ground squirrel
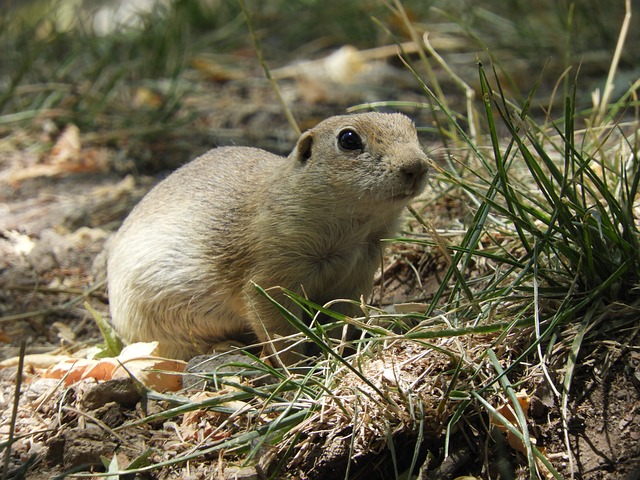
x: 182, y: 268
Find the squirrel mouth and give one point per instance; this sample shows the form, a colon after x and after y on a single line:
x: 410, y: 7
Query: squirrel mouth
x: 408, y: 194
x: 410, y: 191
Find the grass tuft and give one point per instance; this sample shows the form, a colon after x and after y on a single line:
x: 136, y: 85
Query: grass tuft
x: 556, y: 212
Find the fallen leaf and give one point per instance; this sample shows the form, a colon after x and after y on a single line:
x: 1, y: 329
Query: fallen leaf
x: 67, y: 148
x: 135, y: 360
x: 67, y: 156
x: 36, y: 360
x: 160, y: 374
x: 71, y: 369
x: 138, y: 350
x: 146, y: 98
x: 216, y: 71
x: 64, y: 331
x: 101, y: 369
x: 508, y: 411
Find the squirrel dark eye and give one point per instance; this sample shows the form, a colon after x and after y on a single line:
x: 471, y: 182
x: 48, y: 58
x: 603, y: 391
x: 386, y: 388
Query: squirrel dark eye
x: 348, y: 139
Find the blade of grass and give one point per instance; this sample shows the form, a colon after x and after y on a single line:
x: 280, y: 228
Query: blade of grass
x: 14, y: 411
x: 509, y: 426
x: 520, y: 416
x: 608, y: 87
x: 570, y: 308
x: 572, y: 360
x: 319, y: 342
x: 273, y: 82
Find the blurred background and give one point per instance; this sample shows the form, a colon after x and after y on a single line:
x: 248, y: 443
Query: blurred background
x: 151, y: 83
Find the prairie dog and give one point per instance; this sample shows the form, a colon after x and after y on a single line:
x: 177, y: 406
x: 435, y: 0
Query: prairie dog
x: 182, y: 266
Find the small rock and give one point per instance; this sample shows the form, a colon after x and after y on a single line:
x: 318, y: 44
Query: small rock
x: 95, y: 395
x: 111, y: 414
x: 86, y: 446
x: 202, y: 370
x: 240, y: 473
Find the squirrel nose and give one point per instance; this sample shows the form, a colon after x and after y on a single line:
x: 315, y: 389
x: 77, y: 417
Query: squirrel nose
x: 415, y: 169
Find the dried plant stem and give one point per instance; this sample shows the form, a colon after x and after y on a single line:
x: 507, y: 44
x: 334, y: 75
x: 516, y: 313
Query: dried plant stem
x: 608, y: 87
x: 469, y: 93
x: 14, y: 413
x: 274, y: 84
x: 423, y: 58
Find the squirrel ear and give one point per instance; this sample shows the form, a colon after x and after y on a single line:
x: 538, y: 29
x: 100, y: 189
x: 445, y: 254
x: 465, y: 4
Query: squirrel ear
x: 303, y: 147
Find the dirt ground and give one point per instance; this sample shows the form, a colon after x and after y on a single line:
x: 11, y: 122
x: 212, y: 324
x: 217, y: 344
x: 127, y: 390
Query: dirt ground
x: 54, y: 223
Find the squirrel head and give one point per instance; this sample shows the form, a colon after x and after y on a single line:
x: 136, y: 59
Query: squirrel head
x: 372, y: 159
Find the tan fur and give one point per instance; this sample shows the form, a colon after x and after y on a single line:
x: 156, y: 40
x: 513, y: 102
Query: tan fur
x: 181, y: 267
